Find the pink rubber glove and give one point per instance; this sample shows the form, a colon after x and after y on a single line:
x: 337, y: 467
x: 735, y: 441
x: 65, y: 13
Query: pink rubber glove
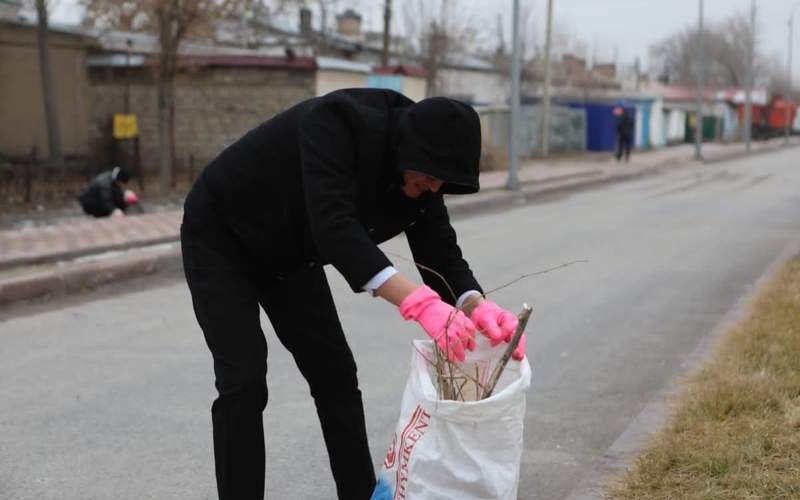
x: 498, y: 325
x: 519, y: 352
x: 452, y: 331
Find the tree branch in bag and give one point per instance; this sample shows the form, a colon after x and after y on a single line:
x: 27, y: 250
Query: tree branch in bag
x: 452, y: 387
x: 523, y: 317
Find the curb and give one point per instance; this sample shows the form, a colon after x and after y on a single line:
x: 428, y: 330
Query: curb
x: 68, y: 278
x: 508, y: 199
x: 743, y: 154
x: 627, y: 447
x: 82, y: 252
x: 72, y: 278
x: 32, y: 260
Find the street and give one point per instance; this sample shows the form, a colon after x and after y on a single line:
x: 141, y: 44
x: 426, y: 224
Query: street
x: 111, y: 398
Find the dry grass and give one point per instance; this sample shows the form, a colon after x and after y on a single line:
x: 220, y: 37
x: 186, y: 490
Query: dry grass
x: 735, y: 432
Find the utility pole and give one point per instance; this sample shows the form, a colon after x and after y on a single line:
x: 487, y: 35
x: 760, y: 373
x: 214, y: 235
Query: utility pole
x: 698, y: 129
x: 546, y: 96
x: 788, y: 97
x: 748, y: 107
x: 512, y: 182
x: 387, y: 23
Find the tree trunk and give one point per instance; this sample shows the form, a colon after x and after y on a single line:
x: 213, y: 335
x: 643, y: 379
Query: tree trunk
x: 166, y: 74
x: 165, y: 100
x: 172, y: 155
x: 50, y: 110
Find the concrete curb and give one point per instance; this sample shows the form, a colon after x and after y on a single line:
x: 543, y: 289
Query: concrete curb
x: 508, y: 199
x: 33, y: 260
x: 66, y: 278
x: 82, y: 252
x: 622, y: 453
x: 741, y: 154
x: 76, y: 277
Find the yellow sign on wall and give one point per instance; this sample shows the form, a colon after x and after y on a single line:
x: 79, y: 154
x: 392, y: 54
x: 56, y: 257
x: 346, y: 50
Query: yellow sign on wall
x: 125, y: 126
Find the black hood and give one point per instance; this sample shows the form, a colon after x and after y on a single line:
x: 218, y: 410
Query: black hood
x: 441, y: 137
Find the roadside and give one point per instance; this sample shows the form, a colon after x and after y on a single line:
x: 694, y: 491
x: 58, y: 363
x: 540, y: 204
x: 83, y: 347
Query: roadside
x: 70, y: 254
x: 734, y: 429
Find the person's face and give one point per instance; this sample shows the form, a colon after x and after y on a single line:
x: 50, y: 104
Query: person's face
x: 416, y: 183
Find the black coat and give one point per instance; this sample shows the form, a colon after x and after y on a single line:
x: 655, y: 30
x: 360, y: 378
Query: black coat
x: 625, y: 126
x: 320, y: 183
x: 102, y: 196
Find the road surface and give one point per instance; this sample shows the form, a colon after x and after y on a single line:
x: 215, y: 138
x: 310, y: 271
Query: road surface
x: 110, y: 398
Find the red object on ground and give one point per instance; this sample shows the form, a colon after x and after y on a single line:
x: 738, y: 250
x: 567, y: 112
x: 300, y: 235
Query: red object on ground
x: 131, y: 198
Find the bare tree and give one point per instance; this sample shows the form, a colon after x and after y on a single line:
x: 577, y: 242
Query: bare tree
x: 172, y: 21
x: 325, y: 8
x: 126, y: 15
x: 438, y: 30
x: 726, y: 48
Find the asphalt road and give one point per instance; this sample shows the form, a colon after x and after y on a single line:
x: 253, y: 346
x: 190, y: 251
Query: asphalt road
x: 110, y: 398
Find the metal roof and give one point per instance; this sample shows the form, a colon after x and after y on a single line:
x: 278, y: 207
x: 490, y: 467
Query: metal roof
x: 67, y: 29
x: 115, y: 60
x: 307, y: 63
x: 401, y: 69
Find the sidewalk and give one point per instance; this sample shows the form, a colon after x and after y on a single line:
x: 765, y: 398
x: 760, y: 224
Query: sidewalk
x: 79, y: 253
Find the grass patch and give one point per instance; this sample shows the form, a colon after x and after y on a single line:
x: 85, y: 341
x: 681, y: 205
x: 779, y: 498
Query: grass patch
x: 735, y: 431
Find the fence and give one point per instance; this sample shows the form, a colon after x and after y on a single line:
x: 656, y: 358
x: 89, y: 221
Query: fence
x: 567, y: 128
x: 32, y: 181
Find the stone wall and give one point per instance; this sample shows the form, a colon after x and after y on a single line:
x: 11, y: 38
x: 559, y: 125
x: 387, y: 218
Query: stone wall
x: 213, y: 107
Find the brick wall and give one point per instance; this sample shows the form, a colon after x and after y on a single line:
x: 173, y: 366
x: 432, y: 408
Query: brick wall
x: 213, y: 107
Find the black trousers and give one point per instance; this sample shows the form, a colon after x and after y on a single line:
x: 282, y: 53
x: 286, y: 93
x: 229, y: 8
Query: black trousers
x: 624, y: 143
x: 226, y: 293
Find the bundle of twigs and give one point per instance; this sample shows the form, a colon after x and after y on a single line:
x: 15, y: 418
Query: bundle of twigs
x: 474, y: 381
x: 460, y: 382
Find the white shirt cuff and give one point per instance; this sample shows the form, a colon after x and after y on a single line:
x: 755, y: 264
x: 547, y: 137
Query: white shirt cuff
x: 379, y: 279
x: 464, y: 296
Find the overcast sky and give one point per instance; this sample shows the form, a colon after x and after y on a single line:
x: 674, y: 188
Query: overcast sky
x: 622, y: 27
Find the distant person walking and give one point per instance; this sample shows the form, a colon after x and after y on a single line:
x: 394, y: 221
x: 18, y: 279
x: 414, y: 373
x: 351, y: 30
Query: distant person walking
x: 624, y: 134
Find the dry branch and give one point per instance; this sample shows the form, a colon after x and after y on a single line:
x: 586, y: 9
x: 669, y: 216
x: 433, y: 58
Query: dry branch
x: 501, y: 365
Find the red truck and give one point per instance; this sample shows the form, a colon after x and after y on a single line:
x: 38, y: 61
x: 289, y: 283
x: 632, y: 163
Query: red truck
x: 770, y: 120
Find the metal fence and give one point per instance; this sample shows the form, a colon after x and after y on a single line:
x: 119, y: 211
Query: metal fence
x: 567, y: 128
x: 32, y: 181
x: 29, y: 180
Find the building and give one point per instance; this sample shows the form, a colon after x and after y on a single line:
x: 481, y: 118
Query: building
x: 221, y: 93
x: 410, y: 81
x: 23, y: 127
x: 333, y: 74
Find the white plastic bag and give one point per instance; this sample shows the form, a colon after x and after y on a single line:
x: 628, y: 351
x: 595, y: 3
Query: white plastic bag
x: 446, y: 450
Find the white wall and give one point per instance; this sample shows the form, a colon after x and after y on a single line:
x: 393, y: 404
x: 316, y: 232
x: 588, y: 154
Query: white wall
x: 414, y: 87
x: 676, y: 124
x: 479, y: 86
x: 657, y: 138
x: 330, y: 80
x: 637, y: 130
